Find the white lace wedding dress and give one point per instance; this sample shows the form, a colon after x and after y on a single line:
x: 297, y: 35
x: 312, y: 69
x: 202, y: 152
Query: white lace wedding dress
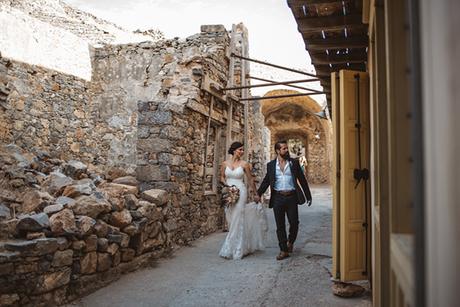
x: 247, y: 221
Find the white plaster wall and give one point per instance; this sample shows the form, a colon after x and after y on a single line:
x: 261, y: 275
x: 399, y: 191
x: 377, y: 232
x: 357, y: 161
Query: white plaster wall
x: 29, y: 40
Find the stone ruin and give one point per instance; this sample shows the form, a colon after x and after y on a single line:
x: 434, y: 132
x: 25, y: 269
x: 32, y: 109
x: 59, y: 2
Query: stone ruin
x: 102, y: 175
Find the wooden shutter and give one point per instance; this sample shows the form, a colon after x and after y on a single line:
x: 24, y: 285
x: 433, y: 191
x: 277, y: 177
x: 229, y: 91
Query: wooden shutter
x: 335, y: 100
x: 353, y: 204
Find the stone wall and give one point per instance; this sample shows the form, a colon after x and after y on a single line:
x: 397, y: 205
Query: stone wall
x: 65, y: 231
x: 53, y: 111
x: 145, y: 113
x: 167, y: 83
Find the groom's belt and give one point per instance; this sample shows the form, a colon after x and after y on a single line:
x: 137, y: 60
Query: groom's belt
x: 285, y: 192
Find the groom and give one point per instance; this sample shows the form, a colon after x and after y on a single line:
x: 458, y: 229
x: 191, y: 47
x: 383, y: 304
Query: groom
x: 284, y: 176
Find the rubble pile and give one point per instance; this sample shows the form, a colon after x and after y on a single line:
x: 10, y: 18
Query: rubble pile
x: 62, y: 225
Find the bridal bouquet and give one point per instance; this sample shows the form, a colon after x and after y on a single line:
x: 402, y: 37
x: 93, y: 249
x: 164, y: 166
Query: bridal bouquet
x: 230, y: 195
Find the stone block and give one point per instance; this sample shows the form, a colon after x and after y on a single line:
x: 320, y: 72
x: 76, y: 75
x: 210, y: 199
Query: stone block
x: 156, y: 196
x: 62, y: 258
x: 126, y: 180
x: 153, y: 173
x: 85, y: 225
x: 88, y: 263
x: 53, y: 280
x: 127, y: 254
x: 63, y: 222
x: 154, y: 145
x: 90, y: 243
x: 102, y: 244
x: 104, y: 262
x: 121, y: 218
x: 91, y: 206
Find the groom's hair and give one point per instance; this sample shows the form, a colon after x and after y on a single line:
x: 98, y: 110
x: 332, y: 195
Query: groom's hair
x: 278, y: 144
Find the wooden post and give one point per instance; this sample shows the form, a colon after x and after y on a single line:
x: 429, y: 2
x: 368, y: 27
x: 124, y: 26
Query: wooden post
x: 208, y: 128
x: 231, y: 76
x: 245, y: 92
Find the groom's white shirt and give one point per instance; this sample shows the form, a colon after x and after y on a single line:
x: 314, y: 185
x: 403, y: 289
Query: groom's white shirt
x: 283, y: 180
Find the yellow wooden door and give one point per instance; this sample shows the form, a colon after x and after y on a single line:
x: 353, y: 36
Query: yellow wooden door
x: 335, y: 101
x: 354, y: 198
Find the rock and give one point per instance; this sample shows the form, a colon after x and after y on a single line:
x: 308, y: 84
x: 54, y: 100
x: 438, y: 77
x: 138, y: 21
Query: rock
x: 90, y: 244
x: 51, y: 209
x: 63, y: 222
x: 63, y: 243
x: 8, y: 196
x: 45, y: 246
x: 122, y: 239
x: 114, y: 190
x: 150, y: 211
x: 115, y: 172
x: 127, y: 254
x: 34, y: 200
x: 5, y: 213
x: 102, y: 244
x: 64, y: 201
x: 20, y: 246
x: 101, y: 229
x: 6, y: 269
x: 9, y: 299
x: 62, y: 258
x: 78, y: 245
x: 85, y: 225
x: 347, y: 289
x: 81, y: 187
x: 88, y: 264
x: 153, y: 230
x: 56, y: 182
x: 156, y: 196
x: 74, y: 168
x: 131, y: 202
x: 136, y: 214
x: 35, y: 235
x: 116, y: 259
x: 127, y: 180
x: 113, y: 248
x: 104, y: 262
x: 33, y: 223
x: 120, y: 219
x: 91, y: 206
x: 131, y: 230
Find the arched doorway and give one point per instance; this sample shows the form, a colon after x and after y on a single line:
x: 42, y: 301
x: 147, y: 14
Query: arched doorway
x: 292, y: 120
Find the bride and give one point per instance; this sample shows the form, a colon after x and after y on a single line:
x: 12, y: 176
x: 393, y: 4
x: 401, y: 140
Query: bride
x: 247, y: 221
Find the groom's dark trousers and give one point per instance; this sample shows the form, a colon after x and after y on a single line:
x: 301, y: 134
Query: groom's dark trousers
x: 286, y: 206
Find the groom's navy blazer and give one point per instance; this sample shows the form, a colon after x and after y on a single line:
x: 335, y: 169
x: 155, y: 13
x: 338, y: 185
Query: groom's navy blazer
x: 299, y: 177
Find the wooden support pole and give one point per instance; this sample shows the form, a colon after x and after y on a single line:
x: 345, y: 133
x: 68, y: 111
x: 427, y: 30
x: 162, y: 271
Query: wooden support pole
x: 290, y: 85
x: 271, y: 83
x: 281, y: 96
x: 273, y: 65
x: 208, y: 130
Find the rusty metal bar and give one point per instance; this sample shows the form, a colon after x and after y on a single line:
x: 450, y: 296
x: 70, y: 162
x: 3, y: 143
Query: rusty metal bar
x: 281, y: 96
x: 272, y: 83
x: 273, y: 65
x: 294, y: 86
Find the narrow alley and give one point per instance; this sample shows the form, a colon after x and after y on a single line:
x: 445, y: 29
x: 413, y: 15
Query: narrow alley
x: 196, y: 276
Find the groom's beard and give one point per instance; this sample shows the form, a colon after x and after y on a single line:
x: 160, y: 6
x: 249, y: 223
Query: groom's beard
x: 286, y: 156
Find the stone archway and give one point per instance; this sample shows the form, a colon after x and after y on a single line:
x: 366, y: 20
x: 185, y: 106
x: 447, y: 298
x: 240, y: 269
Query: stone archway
x: 292, y: 119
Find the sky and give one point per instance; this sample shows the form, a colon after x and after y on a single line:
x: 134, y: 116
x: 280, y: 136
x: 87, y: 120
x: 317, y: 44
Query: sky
x: 273, y: 34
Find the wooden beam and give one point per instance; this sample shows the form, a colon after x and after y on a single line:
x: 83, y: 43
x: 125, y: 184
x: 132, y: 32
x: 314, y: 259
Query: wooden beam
x: 336, y: 43
x: 328, y: 23
x: 325, y: 70
x: 333, y: 58
x: 297, y: 3
x: 282, y: 96
x: 290, y: 84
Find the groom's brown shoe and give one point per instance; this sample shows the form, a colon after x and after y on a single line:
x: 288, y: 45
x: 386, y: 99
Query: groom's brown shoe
x: 290, y: 247
x: 282, y: 255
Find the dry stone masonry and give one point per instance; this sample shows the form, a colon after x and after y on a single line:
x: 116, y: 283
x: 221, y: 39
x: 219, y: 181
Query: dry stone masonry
x: 99, y: 177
